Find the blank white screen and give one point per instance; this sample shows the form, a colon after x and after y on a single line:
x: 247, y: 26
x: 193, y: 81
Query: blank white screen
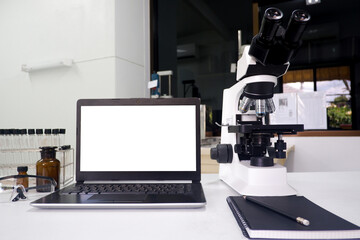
x: 138, y: 138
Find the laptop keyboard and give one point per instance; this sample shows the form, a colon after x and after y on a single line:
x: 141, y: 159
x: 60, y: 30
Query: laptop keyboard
x: 176, y: 188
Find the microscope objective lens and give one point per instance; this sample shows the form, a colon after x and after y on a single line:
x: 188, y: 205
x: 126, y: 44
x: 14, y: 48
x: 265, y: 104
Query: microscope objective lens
x: 270, y: 106
x: 244, y: 104
x: 260, y: 107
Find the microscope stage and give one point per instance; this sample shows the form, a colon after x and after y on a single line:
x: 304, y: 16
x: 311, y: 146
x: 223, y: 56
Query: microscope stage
x: 279, y: 129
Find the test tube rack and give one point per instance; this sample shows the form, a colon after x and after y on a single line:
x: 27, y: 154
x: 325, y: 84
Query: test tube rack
x: 10, y: 159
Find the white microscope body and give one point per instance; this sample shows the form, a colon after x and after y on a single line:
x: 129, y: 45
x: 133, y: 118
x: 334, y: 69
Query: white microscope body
x: 240, y: 175
x: 245, y: 153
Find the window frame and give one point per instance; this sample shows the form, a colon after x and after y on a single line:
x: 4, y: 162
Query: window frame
x: 355, y: 125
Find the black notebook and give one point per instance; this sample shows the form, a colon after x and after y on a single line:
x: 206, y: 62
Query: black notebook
x: 256, y: 221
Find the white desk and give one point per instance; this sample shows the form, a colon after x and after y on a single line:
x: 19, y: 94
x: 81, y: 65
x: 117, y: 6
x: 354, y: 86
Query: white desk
x: 337, y: 192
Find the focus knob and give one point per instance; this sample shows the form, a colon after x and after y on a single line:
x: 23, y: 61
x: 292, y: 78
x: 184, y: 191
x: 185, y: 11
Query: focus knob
x: 223, y: 153
x: 280, y: 146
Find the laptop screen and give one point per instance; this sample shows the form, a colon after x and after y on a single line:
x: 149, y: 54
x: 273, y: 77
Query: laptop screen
x: 137, y: 139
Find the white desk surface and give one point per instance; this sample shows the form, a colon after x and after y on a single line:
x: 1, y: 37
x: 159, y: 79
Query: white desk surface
x: 338, y: 192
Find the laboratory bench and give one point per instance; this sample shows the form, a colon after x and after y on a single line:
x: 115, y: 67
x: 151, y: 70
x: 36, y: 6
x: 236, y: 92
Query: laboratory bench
x: 338, y: 192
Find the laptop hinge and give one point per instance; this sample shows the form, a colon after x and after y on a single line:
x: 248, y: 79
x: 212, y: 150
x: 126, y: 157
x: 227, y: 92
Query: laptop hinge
x: 195, y: 181
x: 136, y: 181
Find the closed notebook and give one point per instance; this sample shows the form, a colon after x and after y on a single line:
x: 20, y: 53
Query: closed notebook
x: 256, y: 221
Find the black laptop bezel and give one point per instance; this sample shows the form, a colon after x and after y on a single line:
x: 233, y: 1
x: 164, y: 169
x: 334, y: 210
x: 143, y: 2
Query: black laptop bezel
x: 82, y: 176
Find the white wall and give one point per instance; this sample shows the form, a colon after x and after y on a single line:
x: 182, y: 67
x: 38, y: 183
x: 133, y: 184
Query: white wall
x: 320, y: 154
x: 132, y: 40
x: 107, y: 39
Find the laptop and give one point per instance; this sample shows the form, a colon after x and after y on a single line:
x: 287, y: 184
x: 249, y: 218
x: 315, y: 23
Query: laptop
x: 134, y: 153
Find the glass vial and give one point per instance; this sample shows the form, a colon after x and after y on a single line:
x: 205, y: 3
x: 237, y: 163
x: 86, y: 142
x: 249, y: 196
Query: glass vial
x: 62, y: 137
x: 2, y: 146
x: 33, y: 155
x: 48, y: 166
x: 2, y: 139
x: 22, y: 170
x: 16, y: 146
x: 40, y: 138
x: 24, y: 145
x: 32, y: 139
x: 55, y: 140
x: 48, y: 141
x: 9, y: 156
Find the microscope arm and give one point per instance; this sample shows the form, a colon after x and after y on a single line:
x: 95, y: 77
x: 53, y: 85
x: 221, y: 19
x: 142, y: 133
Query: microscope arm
x: 245, y: 161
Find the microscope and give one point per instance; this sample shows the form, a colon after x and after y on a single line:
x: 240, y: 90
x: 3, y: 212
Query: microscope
x: 245, y: 153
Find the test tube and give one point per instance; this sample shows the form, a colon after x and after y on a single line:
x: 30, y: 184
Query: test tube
x: 10, y: 139
x: 33, y: 145
x: 16, y: 145
x: 2, y: 147
x: 62, y: 137
x: 48, y: 141
x: 8, y: 145
x: 40, y: 138
x: 55, y: 141
x: 32, y: 138
x: 24, y: 145
x: 2, y: 154
x: 2, y: 139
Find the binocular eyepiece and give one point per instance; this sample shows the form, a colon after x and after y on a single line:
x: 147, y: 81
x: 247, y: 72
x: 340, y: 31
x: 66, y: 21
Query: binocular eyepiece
x: 270, y: 23
x: 296, y: 26
x: 275, y: 44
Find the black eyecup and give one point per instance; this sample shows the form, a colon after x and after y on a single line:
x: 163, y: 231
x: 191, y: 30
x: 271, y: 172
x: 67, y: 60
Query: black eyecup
x: 296, y: 27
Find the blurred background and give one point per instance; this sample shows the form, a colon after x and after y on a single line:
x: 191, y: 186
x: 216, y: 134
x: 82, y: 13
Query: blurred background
x: 198, y: 41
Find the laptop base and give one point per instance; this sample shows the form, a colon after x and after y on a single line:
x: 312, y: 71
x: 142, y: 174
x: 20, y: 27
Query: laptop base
x: 61, y: 199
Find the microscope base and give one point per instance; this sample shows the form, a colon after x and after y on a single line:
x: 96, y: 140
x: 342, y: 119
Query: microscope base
x: 256, y: 181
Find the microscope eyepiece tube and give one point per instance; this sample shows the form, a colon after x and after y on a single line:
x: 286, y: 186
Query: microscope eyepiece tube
x: 244, y: 104
x: 269, y: 25
x: 260, y: 107
x: 300, y: 15
x: 296, y: 26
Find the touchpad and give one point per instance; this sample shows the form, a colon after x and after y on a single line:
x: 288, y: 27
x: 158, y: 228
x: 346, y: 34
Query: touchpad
x: 117, y: 198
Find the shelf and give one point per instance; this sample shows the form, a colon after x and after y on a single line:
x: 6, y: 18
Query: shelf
x: 327, y: 133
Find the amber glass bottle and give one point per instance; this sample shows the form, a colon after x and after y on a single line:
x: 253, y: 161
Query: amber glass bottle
x: 48, y: 166
x: 23, y: 181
